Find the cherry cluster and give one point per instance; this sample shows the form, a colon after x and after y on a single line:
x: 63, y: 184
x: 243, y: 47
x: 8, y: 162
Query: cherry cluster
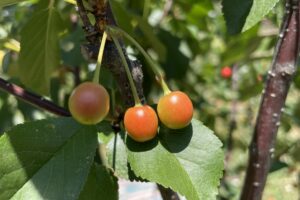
x: 89, y: 103
x: 175, y: 111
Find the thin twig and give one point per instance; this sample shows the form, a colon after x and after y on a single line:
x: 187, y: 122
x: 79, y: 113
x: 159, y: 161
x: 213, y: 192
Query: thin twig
x: 31, y: 98
x: 280, y: 76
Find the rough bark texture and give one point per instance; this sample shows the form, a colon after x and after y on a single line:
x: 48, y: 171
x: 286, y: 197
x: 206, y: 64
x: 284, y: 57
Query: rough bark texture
x: 274, y: 96
x: 111, y: 59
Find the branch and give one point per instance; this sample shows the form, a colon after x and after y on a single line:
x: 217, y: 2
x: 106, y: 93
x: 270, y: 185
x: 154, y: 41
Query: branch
x: 33, y: 99
x: 87, y: 25
x: 111, y: 60
x: 279, y: 79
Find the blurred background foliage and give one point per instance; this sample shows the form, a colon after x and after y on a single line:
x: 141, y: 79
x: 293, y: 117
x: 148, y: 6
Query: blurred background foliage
x: 189, y: 40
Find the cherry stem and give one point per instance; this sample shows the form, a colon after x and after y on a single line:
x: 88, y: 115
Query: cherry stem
x: 132, y: 85
x: 164, y: 86
x: 99, y: 60
x: 155, y: 68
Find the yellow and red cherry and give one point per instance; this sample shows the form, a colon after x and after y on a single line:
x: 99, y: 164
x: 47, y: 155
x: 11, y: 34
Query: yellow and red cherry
x: 89, y: 103
x: 175, y: 110
x: 141, y: 123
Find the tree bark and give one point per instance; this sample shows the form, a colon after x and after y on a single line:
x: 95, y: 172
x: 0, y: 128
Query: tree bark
x: 32, y: 98
x: 103, y: 15
x: 280, y: 76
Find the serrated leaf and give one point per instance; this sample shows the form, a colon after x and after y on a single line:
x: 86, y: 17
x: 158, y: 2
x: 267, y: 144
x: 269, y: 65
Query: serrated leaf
x: 246, y: 14
x: 258, y: 11
x: 101, y: 185
x: 190, y: 160
x: 9, y: 2
x: 235, y: 16
x: 47, y: 159
x: 40, y: 52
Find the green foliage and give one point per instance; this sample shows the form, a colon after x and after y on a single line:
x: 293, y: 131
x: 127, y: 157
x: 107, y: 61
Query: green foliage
x: 258, y: 11
x: 191, y: 43
x: 246, y: 14
x: 101, y: 184
x: 47, y: 159
x: 236, y: 15
x: 40, y: 53
x: 194, y: 154
x: 117, y: 157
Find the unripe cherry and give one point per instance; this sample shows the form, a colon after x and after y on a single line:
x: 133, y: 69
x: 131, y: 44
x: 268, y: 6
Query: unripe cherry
x: 89, y: 103
x: 175, y: 110
x: 141, y: 123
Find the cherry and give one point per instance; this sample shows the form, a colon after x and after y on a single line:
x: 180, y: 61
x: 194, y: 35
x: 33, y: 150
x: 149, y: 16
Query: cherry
x: 89, y: 103
x: 141, y: 123
x: 175, y: 110
x: 226, y: 72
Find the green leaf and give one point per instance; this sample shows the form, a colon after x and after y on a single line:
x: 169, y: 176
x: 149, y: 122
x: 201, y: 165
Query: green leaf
x: 47, y: 159
x: 117, y: 157
x: 246, y: 14
x: 40, y: 52
x: 151, y: 37
x: 105, y: 132
x: 189, y: 160
x: 101, y: 184
x: 122, y: 16
x: 71, y: 49
x: 9, y: 2
x: 258, y: 11
x: 175, y: 59
x: 235, y: 16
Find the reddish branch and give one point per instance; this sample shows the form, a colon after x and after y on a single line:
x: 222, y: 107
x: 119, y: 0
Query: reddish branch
x: 280, y: 76
x: 32, y: 98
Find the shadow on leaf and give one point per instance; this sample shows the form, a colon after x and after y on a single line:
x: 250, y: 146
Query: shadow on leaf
x: 141, y: 146
x: 175, y: 140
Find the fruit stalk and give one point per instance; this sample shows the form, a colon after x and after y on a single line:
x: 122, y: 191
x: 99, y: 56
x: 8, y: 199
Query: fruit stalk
x: 100, y: 56
x: 274, y: 95
x: 132, y: 85
x: 155, y: 68
x: 111, y: 59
